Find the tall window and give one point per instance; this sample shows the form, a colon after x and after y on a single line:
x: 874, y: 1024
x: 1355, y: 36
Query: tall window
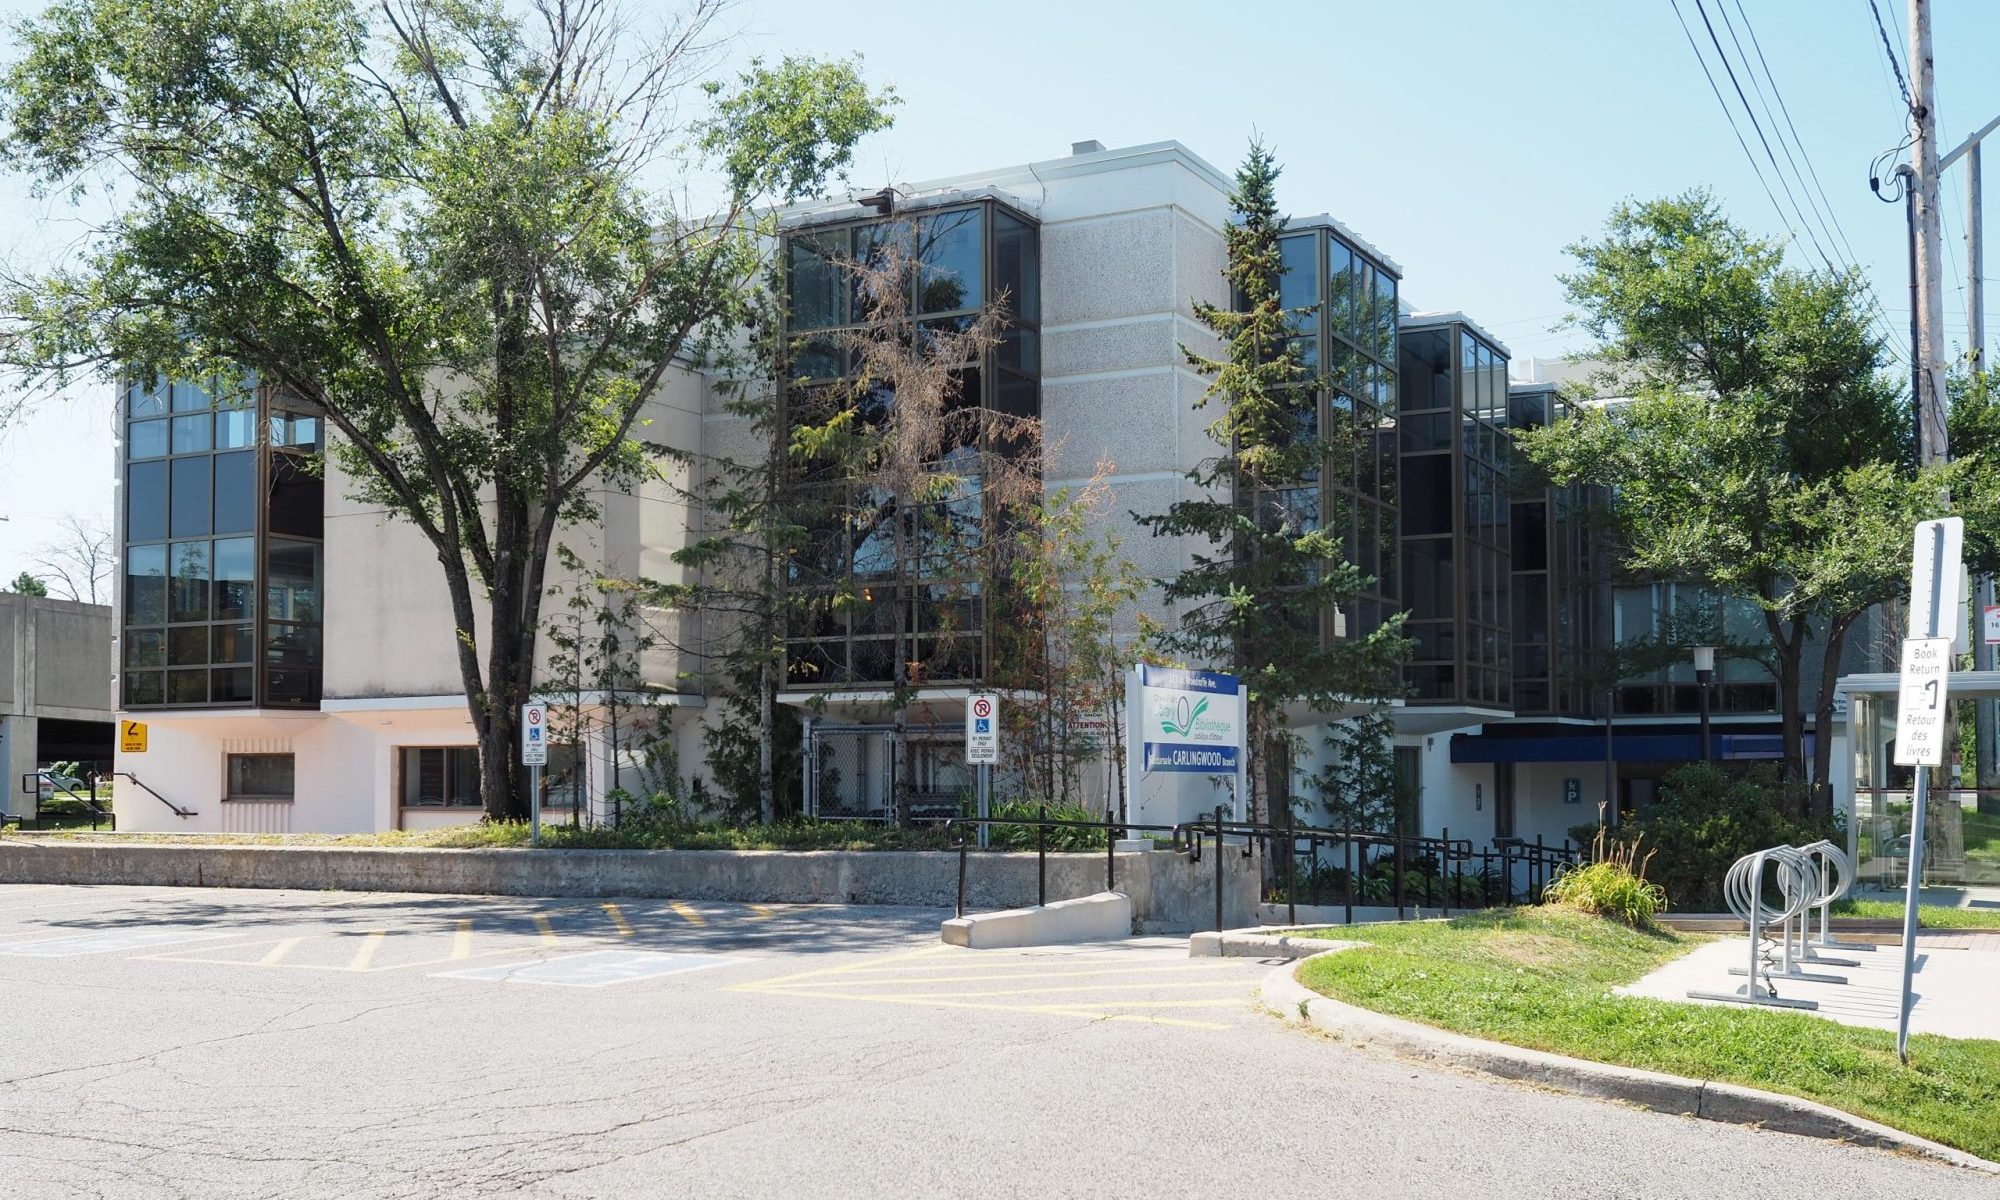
x: 1457, y: 578
x: 1351, y: 340
x: 846, y: 602
x: 203, y: 494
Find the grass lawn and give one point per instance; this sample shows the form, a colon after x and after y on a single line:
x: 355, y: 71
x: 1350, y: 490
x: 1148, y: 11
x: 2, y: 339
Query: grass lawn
x: 1542, y: 978
x: 1930, y: 916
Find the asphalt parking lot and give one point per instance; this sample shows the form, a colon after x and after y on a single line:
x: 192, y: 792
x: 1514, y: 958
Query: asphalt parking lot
x: 211, y: 1043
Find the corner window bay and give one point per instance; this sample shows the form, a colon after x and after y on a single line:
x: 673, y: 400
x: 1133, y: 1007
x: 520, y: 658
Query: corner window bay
x: 879, y: 563
x: 223, y: 520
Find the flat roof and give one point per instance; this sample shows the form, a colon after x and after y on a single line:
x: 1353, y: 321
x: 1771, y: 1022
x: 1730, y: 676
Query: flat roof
x: 999, y: 183
x: 1329, y: 221
x: 1451, y: 316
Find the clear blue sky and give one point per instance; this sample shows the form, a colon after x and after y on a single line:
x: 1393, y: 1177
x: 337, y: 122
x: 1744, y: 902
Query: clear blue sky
x: 1470, y: 140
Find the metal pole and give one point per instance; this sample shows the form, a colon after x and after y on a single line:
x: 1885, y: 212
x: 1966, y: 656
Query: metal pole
x: 985, y: 802
x: 1347, y: 847
x: 1911, y: 890
x: 1986, y: 733
x: 1291, y: 875
x: 1444, y: 867
x: 1042, y: 858
x: 1607, y: 808
x: 1913, y: 886
x: 1707, y: 737
x: 535, y: 806
x: 1110, y: 852
x: 1218, y: 868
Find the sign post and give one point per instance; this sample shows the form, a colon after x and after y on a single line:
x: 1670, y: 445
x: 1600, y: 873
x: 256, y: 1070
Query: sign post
x: 1937, y: 619
x: 982, y: 748
x: 534, y: 756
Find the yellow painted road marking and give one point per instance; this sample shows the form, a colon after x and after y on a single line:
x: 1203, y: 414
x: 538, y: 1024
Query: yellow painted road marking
x: 1092, y: 987
x: 461, y: 939
x: 850, y: 968
x: 547, y: 930
x: 688, y: 914
x: 618, y: 919
x: 1059, y: 1010
x: 764, y: 912
x: 278, y: 951
x: 1180, y: 969
x: 366, y: 954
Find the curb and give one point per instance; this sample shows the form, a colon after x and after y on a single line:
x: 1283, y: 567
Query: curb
x: 1706, y: 1099
x: 1237, y: 943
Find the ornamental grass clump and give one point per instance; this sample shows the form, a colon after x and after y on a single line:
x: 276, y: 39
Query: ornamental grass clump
x: 1613, y: 886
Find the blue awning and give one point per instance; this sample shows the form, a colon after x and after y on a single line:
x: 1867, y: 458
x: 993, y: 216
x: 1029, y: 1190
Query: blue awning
x: 1625, y: 747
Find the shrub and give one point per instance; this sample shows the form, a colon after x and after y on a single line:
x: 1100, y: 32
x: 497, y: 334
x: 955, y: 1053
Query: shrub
x: 1706, y: 818
x: 1022, y: 837
x: 1611, y: 887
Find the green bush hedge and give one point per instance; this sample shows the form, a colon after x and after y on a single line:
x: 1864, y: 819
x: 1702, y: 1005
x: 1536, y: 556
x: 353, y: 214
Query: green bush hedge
x: 1706, y: 818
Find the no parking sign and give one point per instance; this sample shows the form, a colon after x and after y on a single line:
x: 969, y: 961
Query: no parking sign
x: 982, y: 728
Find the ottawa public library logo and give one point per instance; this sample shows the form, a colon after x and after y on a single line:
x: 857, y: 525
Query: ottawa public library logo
x: 1181, y: 722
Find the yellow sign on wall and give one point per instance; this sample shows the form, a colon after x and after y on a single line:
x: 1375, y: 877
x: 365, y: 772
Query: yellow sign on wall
x: 132, y: 737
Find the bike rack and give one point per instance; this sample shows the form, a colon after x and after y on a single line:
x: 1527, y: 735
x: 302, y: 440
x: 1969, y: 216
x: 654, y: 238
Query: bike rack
x: 1743, y: 891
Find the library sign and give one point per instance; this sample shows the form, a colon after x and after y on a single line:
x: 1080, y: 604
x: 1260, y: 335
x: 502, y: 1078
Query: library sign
x: 1188, y: 721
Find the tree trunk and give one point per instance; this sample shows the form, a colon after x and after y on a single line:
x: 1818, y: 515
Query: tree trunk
x: 767, y: 718
x: 899, y: 741
x: 1791, y: 718
x: 1821, y: 796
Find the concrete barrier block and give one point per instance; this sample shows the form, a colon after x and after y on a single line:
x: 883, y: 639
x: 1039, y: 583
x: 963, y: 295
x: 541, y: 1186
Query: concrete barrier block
x: 1103, y: 917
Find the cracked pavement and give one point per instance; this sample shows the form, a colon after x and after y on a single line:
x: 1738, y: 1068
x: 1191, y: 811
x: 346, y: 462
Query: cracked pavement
x: 210, y: 1044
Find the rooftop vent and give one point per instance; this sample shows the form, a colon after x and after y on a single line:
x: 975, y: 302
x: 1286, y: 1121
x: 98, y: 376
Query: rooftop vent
x: 1093, y: 146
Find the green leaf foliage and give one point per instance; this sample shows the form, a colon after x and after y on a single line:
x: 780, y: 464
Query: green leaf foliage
x: 450, y: 229
x: 1266, y: 565
x: 1760, y: 451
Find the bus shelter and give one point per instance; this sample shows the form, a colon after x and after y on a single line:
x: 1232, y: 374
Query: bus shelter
x: 1962, y: 834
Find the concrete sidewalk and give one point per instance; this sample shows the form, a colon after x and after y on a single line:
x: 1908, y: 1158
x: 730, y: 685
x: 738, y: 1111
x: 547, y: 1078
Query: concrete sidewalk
x: 1958, y: 974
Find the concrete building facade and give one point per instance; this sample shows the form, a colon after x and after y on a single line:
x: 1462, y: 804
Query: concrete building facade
x: 55, y: 690
x: 291, y: 649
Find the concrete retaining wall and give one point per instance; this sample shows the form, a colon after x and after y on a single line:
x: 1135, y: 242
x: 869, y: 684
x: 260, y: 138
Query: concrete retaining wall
x: 1169, y: 893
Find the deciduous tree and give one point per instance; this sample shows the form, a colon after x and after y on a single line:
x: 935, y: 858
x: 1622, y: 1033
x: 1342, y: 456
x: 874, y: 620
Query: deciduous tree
x: 1763, y: 453
x: 448, y: 225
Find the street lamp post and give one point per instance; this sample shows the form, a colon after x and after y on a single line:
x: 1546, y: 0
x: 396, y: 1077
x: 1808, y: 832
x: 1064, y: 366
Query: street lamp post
x: 1704, y: 675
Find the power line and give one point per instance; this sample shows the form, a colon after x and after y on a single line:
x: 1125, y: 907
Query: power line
x: 1702, y: 9
x: 1791, y: 220
x: 1895, y: 64
x: 1822, y: 207
x: 1796, y: 139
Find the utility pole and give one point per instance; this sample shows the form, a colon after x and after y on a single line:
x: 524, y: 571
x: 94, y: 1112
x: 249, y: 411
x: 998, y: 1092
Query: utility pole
x: 1986, y: 734
x: 1932, y: 444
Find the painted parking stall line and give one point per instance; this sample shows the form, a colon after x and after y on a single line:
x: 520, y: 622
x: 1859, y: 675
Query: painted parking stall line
x: 597, y: 968
x: 111, y: 941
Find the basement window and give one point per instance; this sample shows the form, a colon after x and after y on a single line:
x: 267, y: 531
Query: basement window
x: 260, y: 777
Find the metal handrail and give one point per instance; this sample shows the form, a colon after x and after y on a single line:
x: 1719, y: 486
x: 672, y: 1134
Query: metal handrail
x: 180, y: 812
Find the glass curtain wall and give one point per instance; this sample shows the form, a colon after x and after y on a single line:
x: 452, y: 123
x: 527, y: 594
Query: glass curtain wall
x: 1457, y: 578
x: 221, y: 549
x: 1350, y: 339
x: 848, y: 595
x: 1553, y: 594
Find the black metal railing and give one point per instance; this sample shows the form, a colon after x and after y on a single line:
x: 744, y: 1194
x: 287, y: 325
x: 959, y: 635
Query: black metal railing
x: 1376, y: 869
x: 183, y: 813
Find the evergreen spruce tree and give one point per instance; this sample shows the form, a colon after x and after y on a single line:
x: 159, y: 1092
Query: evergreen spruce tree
x: 1267, y: 566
